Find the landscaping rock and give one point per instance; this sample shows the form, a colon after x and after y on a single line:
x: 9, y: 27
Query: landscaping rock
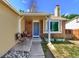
x: 20, y: 50
x: 16, y: 54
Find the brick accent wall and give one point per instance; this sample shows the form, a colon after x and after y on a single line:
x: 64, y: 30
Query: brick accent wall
x: 28, y: 27
x: 41, y: 28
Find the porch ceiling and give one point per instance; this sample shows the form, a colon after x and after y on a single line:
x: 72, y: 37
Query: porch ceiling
x: 35, y: 17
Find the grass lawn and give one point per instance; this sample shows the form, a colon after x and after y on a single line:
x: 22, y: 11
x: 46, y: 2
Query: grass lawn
x: 67, y: 49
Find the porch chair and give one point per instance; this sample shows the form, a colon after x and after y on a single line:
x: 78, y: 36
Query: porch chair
x: 29, y: 35
x: 20, y: 37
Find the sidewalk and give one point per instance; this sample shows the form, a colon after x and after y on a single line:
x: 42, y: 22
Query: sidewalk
x: 36, y: 49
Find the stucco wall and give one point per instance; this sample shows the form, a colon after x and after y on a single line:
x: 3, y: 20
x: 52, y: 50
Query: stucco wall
x: 8, y: 28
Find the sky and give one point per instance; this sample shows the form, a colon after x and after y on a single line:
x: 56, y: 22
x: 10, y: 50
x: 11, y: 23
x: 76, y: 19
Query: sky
x: 48, y: 6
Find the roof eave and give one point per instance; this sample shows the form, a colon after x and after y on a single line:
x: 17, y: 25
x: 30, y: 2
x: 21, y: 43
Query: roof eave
x: 35, y: 14
x: 11, y: 7
x: 57, y: 18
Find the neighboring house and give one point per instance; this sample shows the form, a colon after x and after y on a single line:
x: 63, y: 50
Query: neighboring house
x: 72, y: 29
x: 33, y: 22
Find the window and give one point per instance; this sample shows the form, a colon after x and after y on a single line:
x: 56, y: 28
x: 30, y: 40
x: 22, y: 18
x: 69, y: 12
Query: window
x: 55, y: 26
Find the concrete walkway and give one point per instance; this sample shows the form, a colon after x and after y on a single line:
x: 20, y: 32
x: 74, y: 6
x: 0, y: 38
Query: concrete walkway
x: 36, y: 49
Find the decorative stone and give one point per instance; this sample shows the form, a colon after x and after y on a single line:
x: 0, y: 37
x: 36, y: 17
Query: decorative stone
x: 17, y: 54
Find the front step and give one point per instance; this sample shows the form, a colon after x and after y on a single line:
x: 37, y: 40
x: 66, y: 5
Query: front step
x: 36, y: 40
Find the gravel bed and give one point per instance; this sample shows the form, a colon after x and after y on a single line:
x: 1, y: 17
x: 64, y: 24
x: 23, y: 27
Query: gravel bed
x: 16, y: 54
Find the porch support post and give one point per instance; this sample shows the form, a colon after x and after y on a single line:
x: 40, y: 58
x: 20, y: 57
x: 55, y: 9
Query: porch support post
x: 19, y: 24
x: 49, y: 33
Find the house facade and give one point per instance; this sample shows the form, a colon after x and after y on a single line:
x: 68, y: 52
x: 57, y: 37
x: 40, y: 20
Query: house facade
x: 72, y: 29
x: 34, y: 23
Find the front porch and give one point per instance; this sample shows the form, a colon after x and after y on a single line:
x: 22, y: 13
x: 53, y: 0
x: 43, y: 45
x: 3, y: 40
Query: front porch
x: 32, y: 25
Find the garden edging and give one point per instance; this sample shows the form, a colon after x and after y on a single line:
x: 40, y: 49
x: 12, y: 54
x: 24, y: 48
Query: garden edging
x: 53, y: 50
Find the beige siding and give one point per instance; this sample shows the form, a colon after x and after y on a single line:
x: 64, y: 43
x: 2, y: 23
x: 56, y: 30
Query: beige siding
x: 8, y: 28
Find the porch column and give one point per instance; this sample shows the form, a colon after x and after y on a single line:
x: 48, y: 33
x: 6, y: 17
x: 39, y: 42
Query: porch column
x: 49, y: 33
x: 19, y: 24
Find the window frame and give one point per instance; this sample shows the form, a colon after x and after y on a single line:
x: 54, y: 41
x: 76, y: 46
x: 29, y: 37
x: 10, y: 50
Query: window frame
x: 59, y: 26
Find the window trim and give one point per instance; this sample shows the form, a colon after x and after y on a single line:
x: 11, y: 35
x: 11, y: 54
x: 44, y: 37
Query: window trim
x: 59, y: 26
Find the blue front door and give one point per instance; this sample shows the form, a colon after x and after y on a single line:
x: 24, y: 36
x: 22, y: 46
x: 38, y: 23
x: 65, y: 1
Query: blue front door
x: 36, y: 29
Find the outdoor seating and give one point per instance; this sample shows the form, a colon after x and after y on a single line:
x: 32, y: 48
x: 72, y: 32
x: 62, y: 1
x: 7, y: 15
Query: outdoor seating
x: 29, y: 35
x: 20, y: 37
x: 24, y: 34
